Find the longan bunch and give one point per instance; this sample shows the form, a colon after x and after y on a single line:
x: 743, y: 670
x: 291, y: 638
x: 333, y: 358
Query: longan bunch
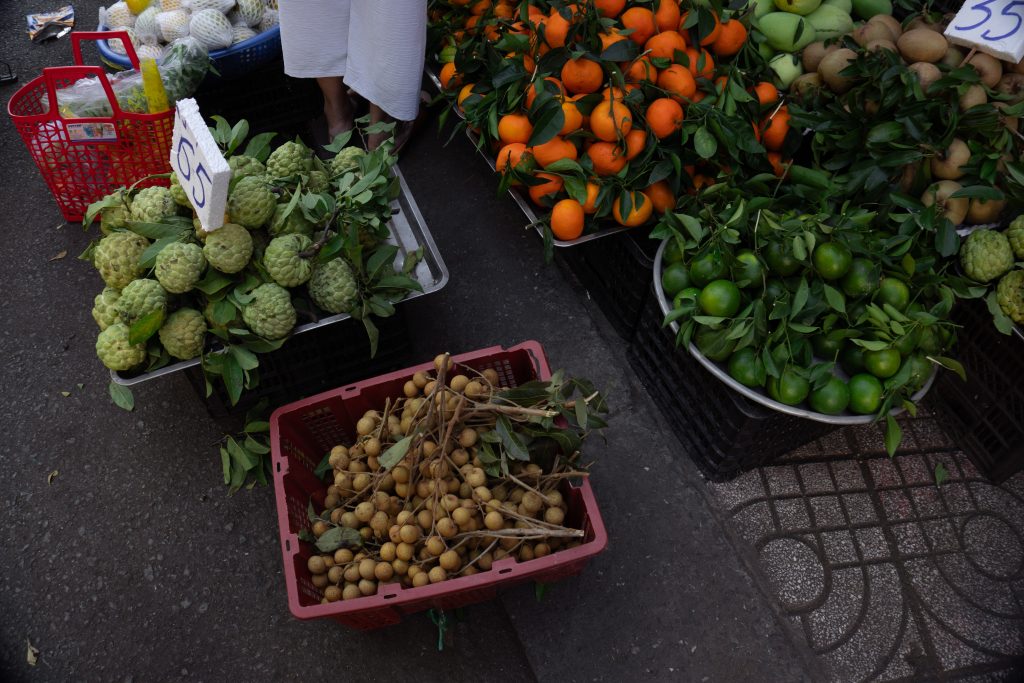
x: 436, y: 514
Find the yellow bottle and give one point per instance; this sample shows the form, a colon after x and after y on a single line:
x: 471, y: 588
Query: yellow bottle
x: 153, y: 86
x: 136, y: 6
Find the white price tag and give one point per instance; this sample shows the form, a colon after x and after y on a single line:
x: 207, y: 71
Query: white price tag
x: 201, y: 168
x: 992, y: 26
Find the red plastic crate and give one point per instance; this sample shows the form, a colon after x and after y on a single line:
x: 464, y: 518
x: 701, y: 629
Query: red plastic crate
x: 302, y: 432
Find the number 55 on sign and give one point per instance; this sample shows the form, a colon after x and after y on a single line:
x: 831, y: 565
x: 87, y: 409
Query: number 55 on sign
x: 992, y: 26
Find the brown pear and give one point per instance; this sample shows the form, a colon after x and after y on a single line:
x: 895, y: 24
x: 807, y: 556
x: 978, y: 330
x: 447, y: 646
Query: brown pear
x: 922, y: 21
x: 805, y: 85
x: 1017, y: 68
x: 926, y: 74
x: 889, y: 21
x: 985, y: 210
x: 865, y: 33
x: 953, y: 58
x: 922, y: 45
x: 939, y: 193
x: 990, y: 68
x: 832, y: 64
x: 973, y: 96
x: 1013, y: 86
x: 947, y: 165
x: 813, y: 54
x: 881, y: 44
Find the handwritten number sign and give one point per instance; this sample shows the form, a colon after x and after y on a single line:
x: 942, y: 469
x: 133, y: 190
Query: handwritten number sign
x: 992, y: 26
x: 201, y: 169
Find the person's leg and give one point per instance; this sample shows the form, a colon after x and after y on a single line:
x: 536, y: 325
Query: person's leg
x: 338, y: 107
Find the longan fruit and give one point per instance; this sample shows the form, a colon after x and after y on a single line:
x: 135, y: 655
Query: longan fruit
x: 434, y: 546
x: 465, y: 490
x: 467, y: 437
x: 429, y: 448
x: 555, y: 497
x: 453, y: 485
x: 372, y: 463
x: 458, y: 383
x: 332, y: 501
x: 409, y: 534
x: 366, y: 568
x: 425, y: 519
x: 405, y: 425
x: 337, y: 514
x: 328, y: 560
x: 439, y: 362
x: 446, y: 528
x: 493, y: 504
x: 367, y: 587
x: 415, y: 569
x: 321, y: 581
x: 380, y: 500
x: 404, y: 517
x: 380, y: 522
x: 421, y: 579
x: 439, y: 469
x: 508, y: 543
x: 532, y: 502
x: 342, y: 556
x: 349, y: 519
x: 400, y: 474
x: 508, y: 506
x: 423, y: 488
x: 352, y: 573
x: 335, y: 574
x: 402, y: 490
x: 500, y: 492
x: 449, y: 560
x: 541, y: 550
x: 343, y: 482
x: 401, y: 567
x: 366, y: 533
x: 361, y: 482
x: 405, y: 551
x: 332, y: 593
x: 420, y: 379
x: 494, y: 520
x: 429, y: 389
x: 460, y: 457
x: 387, y: 483
x: 372, y: 447
x: 476, y: 477
x: 475, y: 389
x: 410, y: 389
x: 383, y: 571
x: 485, y: 561
x: 449, y: 502
x: 351, y: 592
x: 461, y: 516
x: 526, y: 553
x: 364, y: 511
x: 554, y: 516
x: 482, y: 494
x: 320, y: 528
x: 357, y: 467
x: 437, y: 575
x: 365, y: 426
x: 500, y: 554
x: 470, y: 570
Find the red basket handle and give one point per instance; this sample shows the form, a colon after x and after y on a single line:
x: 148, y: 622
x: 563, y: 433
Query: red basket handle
x: 74, y: 73
x: 78, y: 36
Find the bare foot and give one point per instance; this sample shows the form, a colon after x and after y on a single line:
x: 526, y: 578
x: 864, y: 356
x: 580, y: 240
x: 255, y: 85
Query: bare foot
x: 338, y: 107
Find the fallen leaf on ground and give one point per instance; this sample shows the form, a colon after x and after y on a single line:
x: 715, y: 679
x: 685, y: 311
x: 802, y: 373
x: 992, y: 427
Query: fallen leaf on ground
x: 60, y: 255
x: 33, y: 653
x: 65, y: 394
x: 80, y: 386
x: 53, y: 475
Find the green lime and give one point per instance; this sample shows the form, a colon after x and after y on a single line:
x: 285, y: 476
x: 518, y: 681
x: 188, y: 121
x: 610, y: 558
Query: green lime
x: 826, y: 347
x: 713, y: 344
x: 832, y: 398
x: 773, y: 291
x: 861, y: 279
x: 893, y: 292
x: 851, y: 358
x: 780, y: 259
x: 920, y: 371
x: 675, y: 279
x: 748, y: 271
x: 790, y: 389
x: 884, y: 363
x: 832, y: 260
x: 908, y: 342
x: 673, y: 252
x: 934, y: 340
x: 721, y: 298
x: 745, y: 368
x: 688, y: 295
x: 447, y: 54
x: 865, y: 394
x: 707, y: 267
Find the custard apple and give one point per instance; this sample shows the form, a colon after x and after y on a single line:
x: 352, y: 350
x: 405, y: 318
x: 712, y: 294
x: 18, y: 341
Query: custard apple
x: 240, y: 34
x: 1015, y: 233
x: 115, y: 352
x: 117, y: 258
x: 333, y: 286
x: 104, y: 308
x: 179, y: 266
x: 290, y: 159
x: 178, y: 192
x: 152, y: 204
x: 139, y: 298
x: 113, y: 218
x: 183, y: 333
x: 346, y: 160
x: 173, y: 24
x: 251, y: 203
x: 294, y: 224
x: 210, y: 28
x: 250, y: 11
x: 270, y: 314
x: 228, y: 248
x: 1010, y: 295
x: 242, y: 166
x: 318, y: 182
x: 269, y: 20
x: 284, y: 262
x: 985, y: 255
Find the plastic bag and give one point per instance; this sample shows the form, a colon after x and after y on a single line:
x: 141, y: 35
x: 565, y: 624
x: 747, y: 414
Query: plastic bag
x: 242, y: 33
x: 116, y: 16
x: 249, y: 12
x: 183, y: 66
x: 269, y: 20
x: 145, y: 24
x: 173, y: 25
x: 211, y: 28
x: 117, y: 47
x: 221, y: 6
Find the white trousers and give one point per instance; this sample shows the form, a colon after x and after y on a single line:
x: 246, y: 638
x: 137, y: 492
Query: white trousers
x: 376, y: 45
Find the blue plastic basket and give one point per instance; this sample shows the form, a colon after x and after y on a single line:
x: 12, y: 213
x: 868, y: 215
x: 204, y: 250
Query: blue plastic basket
x: 232, y: 62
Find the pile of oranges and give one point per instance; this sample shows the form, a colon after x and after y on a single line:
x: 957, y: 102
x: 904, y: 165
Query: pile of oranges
x: 592, y: 107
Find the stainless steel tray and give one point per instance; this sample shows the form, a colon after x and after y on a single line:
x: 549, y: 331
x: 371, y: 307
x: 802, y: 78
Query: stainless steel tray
x: 521, y: 201
x: 759, y: 396
x: 408, y: 231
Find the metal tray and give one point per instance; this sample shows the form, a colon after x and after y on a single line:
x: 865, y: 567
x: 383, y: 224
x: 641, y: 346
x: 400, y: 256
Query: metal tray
x: 408, y: 231
x: 759, y: 396
x: 521, y: 201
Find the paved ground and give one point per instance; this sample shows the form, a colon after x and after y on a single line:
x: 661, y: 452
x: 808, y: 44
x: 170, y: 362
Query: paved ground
x: 134, y: 564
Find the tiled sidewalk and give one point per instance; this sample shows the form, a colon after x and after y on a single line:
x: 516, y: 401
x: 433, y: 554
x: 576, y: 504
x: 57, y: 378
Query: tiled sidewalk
x: 888, y: 576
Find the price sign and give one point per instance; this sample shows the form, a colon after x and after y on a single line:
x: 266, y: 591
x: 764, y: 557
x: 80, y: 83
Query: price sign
x: 992, y: 26
x: 201, y: 168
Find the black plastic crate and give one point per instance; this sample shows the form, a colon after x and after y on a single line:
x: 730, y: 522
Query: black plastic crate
x: 985, y: 414
x: 314, y: 361
x: 616, y: 270
x: 723, y: 432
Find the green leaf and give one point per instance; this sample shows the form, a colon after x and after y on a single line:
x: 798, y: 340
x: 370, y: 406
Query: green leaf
x: 393, y: 455
x: 835, y: 298
x: 244, y: 458
x: 705, y: 143
x: 146, y: 326
x: 941, y: 474
x: 950, y: 364
x: 338, y: 537
x: 122, y: 396
x: 800, y: 298
x: 311, y: 512
x: 947, y: 241
x: 213, y: 283
x: 225, y: 464
x: 978, y: 192
x: 547, y: 123
x: 999, y: 318
x: 512, y: 443
x: 893, y: 435
x: 257, y: 426
x: 324, y: 467
x: 148, y: 258
x: 259, y: 146
x: 245, y: 358
x: 581, y: 412
x: 254, y: 446
x: 233, y: 378
x: 239, y: 133
x: 885, y: 132
x: 871, y: 344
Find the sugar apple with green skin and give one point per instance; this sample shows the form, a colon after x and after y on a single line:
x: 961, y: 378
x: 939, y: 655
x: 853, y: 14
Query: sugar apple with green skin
x: 178, y: 192
x: 290, y: 159
x: 117, y: 258
x: 346, y: 160
x: 251, y: 203
x: 1010, y: 295
x: 183, y: 333
x: 333, y: 286
x: 104, y: 307
x: 985, y: 255
x: 179, y: 266
x: 318, y: 182
x: 284, y: 261
x: 228, y: 248
x: 1015, y: 233
x: 152, y: 204
x: 292, y: 224
x: 139, y: 298
x: 113, y: 218
x: 243, y: 166
x: 270, y: 314
x: 115, y: 352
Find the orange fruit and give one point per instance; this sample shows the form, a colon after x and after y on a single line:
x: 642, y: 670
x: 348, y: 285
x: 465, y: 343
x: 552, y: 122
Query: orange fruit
x: 640, y: 70
x: 774, y: 130
x: 471, y: 23
x: 586, y: 118
x: 695, y: 59
x: 721, y: 83
x: 700, y: 181
x: 639, y: 212
x: 664, y: 117
x: 528, y: 62
x: 636, y: 140
x: 667, y: 15
x: 609, y: 39
x: 665, y: 44
x: 678, y: 82
x: 730, y: 39
x: 556, y: 28
x: 610, y: 8
x: 514, y: 128
x: 641, y: 20
x: 541, y: 193
x: 449, y: 77
x: 503, y: 11
x: 479, y: 7
x: 590, y: 206
x: 582, y: 76
x: 567, y: 219
x: 509, y: 156
x: 466, y: 91
x: 607, y: 158
x: 710, y: 37
x: 775, y: 159
x: 610, y: 120
x: 612, y: 91
x: 554, y: 149
x: 766, y: 93
x: 661, y: 196
x: 531, y: 92
x: 573, y: 118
